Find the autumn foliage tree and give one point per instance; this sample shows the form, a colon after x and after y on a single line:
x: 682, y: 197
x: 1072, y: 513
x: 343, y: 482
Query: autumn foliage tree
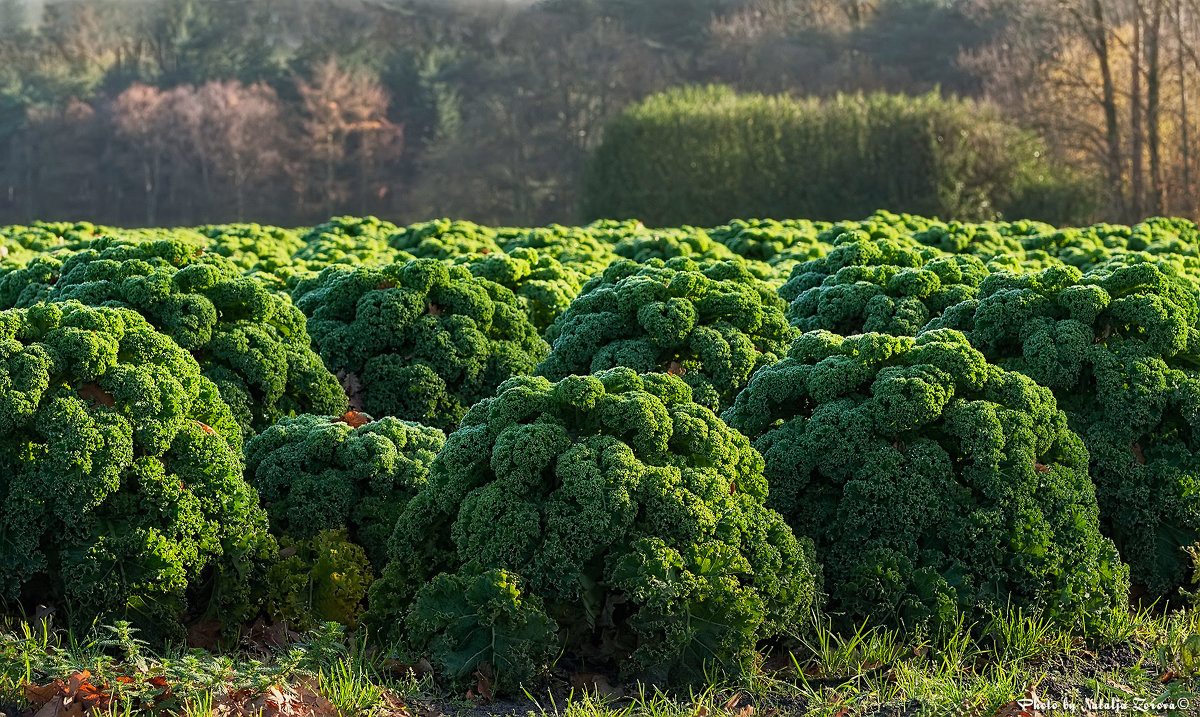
x: 346, y: 135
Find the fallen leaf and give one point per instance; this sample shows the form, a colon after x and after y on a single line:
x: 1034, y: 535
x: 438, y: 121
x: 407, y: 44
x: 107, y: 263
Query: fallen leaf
x: 701, y: 711
x: 1041, y: 468
x: 746, y: 711
x: 39, y: 696
x: 1137, y: 453
x: 385, y: 284
x: 204, y: 427
x: 676, y: 369
x: 1169, y: 676
x: 732, y: 703
x: 433, y: 309
x: 482, y: 690
x: 354, y: 419
x: 420, y: 668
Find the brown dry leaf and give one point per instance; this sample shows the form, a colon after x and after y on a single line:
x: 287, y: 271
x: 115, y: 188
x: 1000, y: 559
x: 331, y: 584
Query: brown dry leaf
x: 1169, y: 676
x: 732, y: 487
x: 353, y: 387
x: 746, y: 711
x: 732, y: 703
x: 596, y: 682
x: 385, y: 284
x: 1137, y: 453
x: 482, y: 690
x: 676, y: 369
x: 204, y: 635
x: 1016, y: 709
x: 1040, y: 468
x: 418, y: 669
x: 39, y: 696
x: 96, y: 396
x: 433, y: 309
x: 395, y: 705
x: 701, y: 711
x: 354, y: 419
x: 204, y: 427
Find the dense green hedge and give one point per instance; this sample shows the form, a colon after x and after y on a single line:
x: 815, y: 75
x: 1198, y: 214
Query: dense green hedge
x: 704, y: 155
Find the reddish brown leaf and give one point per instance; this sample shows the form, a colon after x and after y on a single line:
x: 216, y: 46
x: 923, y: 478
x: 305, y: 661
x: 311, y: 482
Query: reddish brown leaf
x: 204, y: 427
x: 433, y: 309
x: 733, y: 487
x: 354, y: 419
x: 96, y: 396
x: 746, y: 711
x: 385, y: 284
x: 1040, y: 468
x: 676, y: 369
x: 76, y: 681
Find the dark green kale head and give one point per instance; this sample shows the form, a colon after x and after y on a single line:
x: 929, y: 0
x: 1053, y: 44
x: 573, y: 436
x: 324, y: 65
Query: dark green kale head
x: 891, y: 286
x: 1120, y: 348
x: 353, y: 241
x: 252, y: 247
x: 316, y: 473
x: 121, y: 489
x: 579, y: 249
x: 711, y: 324
x: 251, y: 342
x: 932, y: 482
x: 445, y: 239
x: 420, y: 341
x: 629, y: 516
x: 542, y: 285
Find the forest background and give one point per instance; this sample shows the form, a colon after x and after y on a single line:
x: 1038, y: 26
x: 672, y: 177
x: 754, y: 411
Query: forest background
x: 177, y: 112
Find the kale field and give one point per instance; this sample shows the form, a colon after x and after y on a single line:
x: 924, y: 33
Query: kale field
x: 789, y: 466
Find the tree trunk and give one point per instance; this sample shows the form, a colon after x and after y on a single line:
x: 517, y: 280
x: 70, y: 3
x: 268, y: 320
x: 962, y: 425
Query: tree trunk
x: 1184, y: 148
x: 1112, y: 128
x: 1136, y: 133
x: 1158, y: 190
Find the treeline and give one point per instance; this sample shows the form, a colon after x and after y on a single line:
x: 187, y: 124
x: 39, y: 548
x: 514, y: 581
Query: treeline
x: 153, y: 112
